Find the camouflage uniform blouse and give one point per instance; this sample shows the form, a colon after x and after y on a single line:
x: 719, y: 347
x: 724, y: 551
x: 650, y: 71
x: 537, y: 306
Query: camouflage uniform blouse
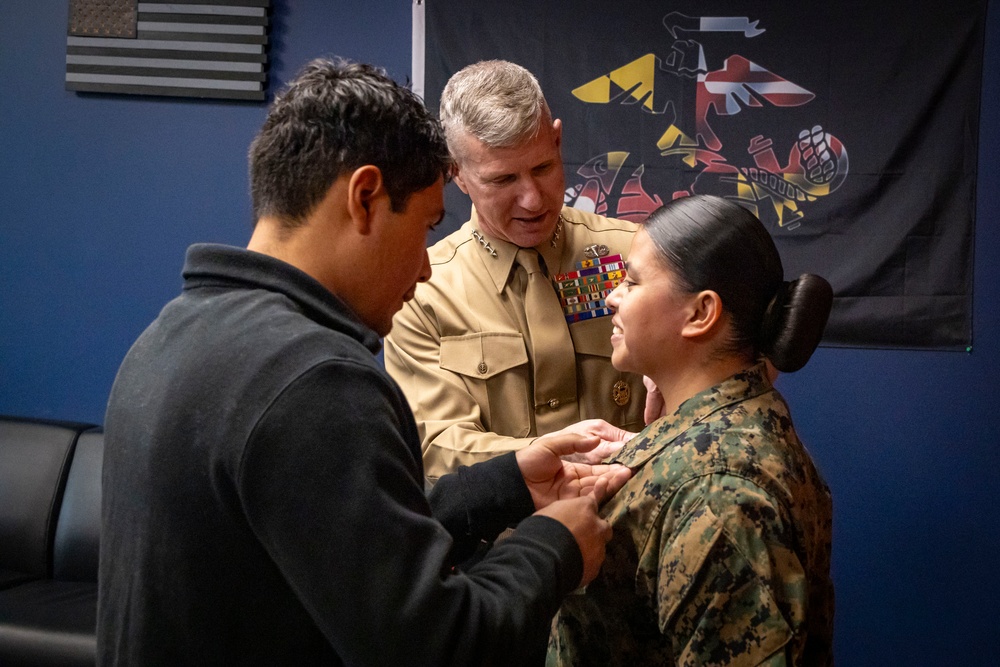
x: 721, y: 548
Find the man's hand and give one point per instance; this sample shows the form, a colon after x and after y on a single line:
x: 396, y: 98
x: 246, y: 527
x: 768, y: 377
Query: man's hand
x: 655, y: 405
x: 592, y: 533
x: 612, y: 439
x: 550, y: 477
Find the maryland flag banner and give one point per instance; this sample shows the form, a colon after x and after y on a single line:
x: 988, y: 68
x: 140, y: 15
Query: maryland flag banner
x: 849, y: 128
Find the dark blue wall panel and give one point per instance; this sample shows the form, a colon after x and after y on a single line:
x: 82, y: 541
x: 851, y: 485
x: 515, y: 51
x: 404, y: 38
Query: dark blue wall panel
x: 100, y: 195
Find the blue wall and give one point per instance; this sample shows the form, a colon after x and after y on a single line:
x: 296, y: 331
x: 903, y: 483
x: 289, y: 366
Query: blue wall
x: 99, y: 197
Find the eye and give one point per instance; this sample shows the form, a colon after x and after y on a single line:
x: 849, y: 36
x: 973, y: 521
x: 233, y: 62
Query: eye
x: 543, y: 168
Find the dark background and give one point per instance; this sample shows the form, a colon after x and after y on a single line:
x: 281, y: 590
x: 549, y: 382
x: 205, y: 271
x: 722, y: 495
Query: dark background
x: 895, y: 239
x: 100, y: 196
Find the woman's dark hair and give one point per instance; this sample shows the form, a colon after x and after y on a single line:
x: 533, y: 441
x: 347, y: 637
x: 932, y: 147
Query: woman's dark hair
x: 711, y: 243
x: 334, y: 117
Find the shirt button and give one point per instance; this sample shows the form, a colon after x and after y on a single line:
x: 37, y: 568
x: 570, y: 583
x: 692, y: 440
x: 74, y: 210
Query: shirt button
x: 482, y: 368
x: 554, y: 403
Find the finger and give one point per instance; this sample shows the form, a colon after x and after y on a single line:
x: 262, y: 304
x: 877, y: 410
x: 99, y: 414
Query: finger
x: 569, y: 443
x: 594, y: 456
x: 609, y: 448
x: 588, y: 503
x: 608, y: 432
x: 607, y: 483
x: 584, y: 470
x: 617, y: 479
x: 604, y: 489
x: 599, y: 490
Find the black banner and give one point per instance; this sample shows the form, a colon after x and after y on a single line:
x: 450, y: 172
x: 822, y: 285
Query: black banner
x: 851, y: 130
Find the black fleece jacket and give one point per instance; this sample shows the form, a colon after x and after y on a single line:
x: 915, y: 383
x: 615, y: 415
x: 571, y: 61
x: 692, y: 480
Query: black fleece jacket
x: 264, y: 500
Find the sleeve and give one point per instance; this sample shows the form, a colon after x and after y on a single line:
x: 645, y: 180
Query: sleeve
x: 332, y: 490
x: 449, y: 417
x: 728, y: 589
x: 476, y: 503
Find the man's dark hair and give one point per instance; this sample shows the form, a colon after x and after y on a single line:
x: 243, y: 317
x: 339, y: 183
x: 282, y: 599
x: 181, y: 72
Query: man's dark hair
x: 334, y: 117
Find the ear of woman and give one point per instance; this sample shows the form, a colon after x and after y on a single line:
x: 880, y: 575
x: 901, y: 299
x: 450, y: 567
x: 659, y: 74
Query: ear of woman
x: 705, y: 315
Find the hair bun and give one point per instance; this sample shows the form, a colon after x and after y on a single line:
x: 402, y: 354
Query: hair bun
x: 794, y: 321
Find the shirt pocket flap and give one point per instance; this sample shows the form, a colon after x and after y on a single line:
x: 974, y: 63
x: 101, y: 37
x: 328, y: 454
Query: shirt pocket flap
x: 482, y: 355
x: 592, y: 336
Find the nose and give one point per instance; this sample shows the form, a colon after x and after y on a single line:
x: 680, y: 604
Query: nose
x: 425, y: 269
x: 615, y: 298
x: 530, y: 197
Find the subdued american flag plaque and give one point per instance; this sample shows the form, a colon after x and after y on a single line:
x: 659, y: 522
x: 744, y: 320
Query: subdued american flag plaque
x: 207, y: 48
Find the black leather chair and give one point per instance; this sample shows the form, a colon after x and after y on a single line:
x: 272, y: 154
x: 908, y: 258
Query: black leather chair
x: 50, y: 491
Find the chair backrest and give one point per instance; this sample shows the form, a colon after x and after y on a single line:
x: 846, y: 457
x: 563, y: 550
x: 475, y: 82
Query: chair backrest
x: 78, y: 528
x: 34, y: 458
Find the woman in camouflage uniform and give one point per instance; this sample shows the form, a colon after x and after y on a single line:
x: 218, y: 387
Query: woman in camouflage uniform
x: 721, y: 549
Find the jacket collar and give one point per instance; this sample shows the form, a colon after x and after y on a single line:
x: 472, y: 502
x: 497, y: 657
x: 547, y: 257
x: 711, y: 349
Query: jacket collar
x: 209, y: 265
x: 661, y: 434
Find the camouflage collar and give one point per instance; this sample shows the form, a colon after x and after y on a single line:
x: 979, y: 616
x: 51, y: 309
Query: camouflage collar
x: 661, y: 433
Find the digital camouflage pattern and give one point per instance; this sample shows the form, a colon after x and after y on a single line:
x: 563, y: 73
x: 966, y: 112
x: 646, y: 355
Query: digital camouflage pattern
x: 721, y: 547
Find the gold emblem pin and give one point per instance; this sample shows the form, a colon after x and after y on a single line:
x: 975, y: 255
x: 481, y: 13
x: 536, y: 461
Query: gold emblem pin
x: 621, y: 392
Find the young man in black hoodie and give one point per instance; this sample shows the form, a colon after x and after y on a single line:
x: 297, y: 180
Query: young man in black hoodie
x: 263, y: 487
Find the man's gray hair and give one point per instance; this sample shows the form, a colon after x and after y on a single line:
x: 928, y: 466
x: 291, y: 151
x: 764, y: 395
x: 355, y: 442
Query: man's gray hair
x: 497, y: 102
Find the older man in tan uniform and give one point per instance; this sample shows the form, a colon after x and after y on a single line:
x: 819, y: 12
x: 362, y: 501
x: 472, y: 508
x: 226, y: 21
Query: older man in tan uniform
x: 510, y: 338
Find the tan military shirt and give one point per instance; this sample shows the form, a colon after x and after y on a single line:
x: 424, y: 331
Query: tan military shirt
x: 461, y: 353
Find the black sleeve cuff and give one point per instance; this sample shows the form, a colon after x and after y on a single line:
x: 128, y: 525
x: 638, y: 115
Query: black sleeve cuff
x: 478, y: 502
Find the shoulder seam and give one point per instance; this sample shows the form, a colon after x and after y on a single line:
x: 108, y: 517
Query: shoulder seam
x: 452, y: 256
x: 604, y: 229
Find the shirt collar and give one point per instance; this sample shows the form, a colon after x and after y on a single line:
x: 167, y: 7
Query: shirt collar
x: 499, y: 267
x: 661, y: 433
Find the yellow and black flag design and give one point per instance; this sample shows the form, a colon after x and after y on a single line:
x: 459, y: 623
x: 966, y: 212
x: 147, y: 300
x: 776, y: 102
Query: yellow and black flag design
x: 852, y: 138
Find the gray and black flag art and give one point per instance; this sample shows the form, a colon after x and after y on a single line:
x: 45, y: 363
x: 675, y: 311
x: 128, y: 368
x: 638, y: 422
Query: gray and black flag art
x: 201, y: 48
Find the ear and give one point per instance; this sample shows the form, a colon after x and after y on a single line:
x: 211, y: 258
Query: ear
x: 456, y: 177
x: 557, y: 130
x: 704, y: 311
x: 365, y: 193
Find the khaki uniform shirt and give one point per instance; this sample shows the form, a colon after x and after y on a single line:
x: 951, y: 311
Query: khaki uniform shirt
x: 721, y: 547
x: 461, y: 353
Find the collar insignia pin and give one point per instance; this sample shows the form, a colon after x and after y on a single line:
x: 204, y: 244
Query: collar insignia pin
x: 483, y: 242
